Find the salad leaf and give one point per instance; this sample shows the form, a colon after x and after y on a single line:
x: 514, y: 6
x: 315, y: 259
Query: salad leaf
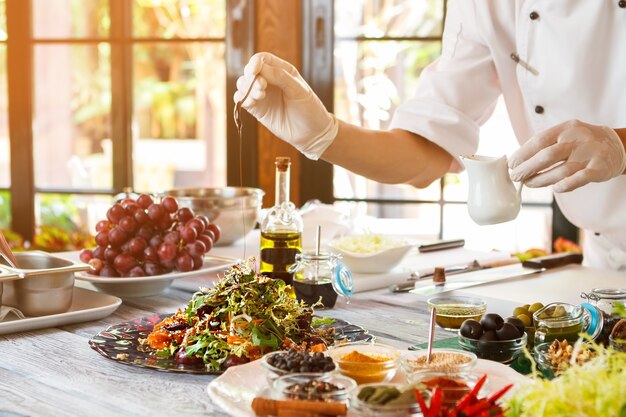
x: 321, y: 321
x: 265, y: 340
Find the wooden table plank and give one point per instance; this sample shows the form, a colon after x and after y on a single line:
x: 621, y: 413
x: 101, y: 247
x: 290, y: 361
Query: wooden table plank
x: 55, y: 372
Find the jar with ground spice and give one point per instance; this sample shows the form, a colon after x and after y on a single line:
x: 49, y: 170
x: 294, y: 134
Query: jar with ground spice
x: 442, y: 360
x: 366, y: 362
x: 313, y: 387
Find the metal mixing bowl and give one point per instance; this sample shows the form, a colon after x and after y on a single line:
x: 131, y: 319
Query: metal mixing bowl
x: 46, y: 283
x: 231, y: 208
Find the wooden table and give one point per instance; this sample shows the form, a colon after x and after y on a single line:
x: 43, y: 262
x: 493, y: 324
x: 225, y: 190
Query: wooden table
x: 55, y: 372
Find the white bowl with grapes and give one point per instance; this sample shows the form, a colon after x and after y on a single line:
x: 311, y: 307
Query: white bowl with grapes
x: 143, y: 245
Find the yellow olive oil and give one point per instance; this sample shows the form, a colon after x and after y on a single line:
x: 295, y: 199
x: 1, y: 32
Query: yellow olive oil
x: 278, y: 253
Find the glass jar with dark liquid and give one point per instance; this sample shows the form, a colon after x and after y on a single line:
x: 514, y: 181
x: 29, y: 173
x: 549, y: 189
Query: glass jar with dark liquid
x: 320, y: 278
x: 281, y: 229
x: 601, y: 317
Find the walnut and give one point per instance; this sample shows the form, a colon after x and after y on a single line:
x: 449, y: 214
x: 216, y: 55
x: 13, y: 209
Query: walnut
x: 560, y: 355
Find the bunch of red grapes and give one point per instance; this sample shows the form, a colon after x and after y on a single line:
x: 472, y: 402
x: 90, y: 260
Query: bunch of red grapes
x: 144, y: 238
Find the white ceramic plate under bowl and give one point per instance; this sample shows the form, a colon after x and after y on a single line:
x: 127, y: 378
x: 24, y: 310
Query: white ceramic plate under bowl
x: 372, y: 263
x: 234, y: 390
x: 154, y: 285
x: 86, y: 305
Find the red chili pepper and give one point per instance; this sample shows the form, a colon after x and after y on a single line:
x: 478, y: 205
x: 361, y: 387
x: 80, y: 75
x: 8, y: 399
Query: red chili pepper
x: 421, y: 402
x: 436, y: 402
x: 496, y: 395
x: 479, y: 385
x: 467, y: 399
x: 471, y: 396
x: 473, y: 410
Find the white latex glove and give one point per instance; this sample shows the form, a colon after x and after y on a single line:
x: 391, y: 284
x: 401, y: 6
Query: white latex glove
x: 569, y: 156
x: 284, y: 103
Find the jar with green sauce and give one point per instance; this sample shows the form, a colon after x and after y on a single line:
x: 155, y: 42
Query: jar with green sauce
x: 558, y: 321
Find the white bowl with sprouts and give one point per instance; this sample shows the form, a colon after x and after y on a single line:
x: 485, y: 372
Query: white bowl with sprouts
x: 371, y: 253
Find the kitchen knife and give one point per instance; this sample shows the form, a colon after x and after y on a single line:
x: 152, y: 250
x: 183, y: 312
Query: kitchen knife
x: 441, y: 245
x: 424, y: 274
x: 487, y: 276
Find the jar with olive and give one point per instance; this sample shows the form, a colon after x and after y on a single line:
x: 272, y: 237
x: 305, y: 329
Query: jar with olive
x: 558, y: 321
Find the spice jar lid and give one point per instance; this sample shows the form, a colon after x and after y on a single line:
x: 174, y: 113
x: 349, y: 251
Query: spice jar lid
x: 342, y: 280
x: 593, y: 320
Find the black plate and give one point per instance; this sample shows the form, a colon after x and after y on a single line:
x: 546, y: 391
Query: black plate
x: 120, y: 343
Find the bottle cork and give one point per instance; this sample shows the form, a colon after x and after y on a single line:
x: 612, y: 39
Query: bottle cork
x: 282, y: 163
x: 439, y: 277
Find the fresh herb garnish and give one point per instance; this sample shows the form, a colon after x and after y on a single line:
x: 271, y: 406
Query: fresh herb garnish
x: 322, y: 321
x: 245, y: 315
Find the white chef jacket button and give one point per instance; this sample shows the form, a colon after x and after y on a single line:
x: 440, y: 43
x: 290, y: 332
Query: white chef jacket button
x: 539, y: 109
x: 621, y: 3
x: 534, y: 15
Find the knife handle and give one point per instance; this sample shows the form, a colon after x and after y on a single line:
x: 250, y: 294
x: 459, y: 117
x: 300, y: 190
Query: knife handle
x: 554, y: 261
x: 441, y: 245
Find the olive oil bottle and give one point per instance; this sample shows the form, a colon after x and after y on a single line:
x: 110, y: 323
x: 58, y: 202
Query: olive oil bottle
x: 281, y: 229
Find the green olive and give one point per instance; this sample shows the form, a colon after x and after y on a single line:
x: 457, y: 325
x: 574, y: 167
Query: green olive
x: 520, y: 310
x: 559, y: 311
x: 525, y: 319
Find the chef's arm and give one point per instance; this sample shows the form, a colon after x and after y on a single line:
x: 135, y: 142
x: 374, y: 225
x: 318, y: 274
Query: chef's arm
x: 392, y: 157
x: 622, y: 135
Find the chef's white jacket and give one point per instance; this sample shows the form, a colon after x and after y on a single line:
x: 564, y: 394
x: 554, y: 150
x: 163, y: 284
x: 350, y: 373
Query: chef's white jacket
x: 553, y: 61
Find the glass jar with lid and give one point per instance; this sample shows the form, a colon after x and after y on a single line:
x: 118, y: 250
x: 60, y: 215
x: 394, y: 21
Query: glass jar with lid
x: 600, y: 318
x: 403, y: 404
x: 320, y: 277
x: 558, y: 321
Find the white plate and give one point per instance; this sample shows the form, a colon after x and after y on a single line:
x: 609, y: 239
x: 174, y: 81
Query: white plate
x: 147, y: 286
x: 86, y: 305
x: 235, y: 388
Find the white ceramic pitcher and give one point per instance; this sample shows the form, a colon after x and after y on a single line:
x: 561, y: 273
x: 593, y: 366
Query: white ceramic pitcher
x: 493, y: 197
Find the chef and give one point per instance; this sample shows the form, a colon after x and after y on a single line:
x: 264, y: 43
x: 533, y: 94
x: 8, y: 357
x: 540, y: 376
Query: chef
x: 561, y: 68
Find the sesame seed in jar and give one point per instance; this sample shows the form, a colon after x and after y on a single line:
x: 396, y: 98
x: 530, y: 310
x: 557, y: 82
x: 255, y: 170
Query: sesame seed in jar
x: 444, y: 361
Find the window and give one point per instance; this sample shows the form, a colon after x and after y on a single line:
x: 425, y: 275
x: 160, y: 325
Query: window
x: 5, y: 168
x: 125, y: 93
x: 381, y: 47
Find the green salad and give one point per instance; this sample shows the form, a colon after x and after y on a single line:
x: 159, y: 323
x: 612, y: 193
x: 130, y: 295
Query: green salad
x: 594, y: 389
x: 243, y: 317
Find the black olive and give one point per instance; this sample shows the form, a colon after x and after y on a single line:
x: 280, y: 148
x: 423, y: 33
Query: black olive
x: 508, y: 331
x: 233, y: 360
x: 181, y: 357
x: 519, y: 324
x: 204, y: 310
x: 181, y: 325
x: 471, y: 329
x: 489, y: 336
x: 491, y: 321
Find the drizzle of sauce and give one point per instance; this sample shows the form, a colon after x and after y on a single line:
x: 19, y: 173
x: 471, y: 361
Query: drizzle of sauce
x: 239, y: 126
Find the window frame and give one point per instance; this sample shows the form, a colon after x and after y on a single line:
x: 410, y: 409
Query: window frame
x: 238, y: 40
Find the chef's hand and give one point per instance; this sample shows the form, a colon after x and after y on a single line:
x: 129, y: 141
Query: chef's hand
x: 569, y: 156
x: 284, y: 103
